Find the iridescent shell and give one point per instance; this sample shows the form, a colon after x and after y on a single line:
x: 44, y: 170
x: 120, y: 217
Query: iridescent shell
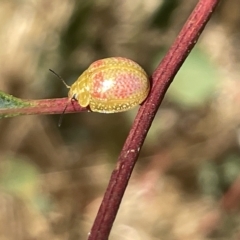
x: 111, y: 85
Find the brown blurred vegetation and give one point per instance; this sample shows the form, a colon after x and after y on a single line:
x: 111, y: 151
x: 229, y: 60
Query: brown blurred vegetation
x: 186, y: 183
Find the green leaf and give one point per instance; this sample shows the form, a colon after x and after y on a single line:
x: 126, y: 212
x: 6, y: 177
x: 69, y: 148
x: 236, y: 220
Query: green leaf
x: 11, y: 106
x: 195, y: 82
x: 8, y: 101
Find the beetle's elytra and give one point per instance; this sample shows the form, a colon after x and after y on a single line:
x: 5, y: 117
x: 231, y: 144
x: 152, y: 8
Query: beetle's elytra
x: 111, y: 85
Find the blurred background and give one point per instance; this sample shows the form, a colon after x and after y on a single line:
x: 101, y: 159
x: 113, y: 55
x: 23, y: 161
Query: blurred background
x: 186, y: 184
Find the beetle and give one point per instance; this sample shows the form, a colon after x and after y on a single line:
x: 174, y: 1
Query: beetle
x: 110, y: 85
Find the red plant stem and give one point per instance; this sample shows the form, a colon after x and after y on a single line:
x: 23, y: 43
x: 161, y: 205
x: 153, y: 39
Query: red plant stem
x: 44, y: 106
x: 161, y: 78
x: 57, y: 105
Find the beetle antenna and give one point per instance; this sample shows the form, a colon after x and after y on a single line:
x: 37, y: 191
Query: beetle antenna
x: 61, y: 117
x: 67, y: 86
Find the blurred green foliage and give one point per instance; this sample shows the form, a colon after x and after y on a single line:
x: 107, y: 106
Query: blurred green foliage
x: 195, y: 83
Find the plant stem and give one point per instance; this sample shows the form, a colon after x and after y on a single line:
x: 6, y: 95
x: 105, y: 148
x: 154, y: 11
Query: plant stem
x: 161, y: 79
